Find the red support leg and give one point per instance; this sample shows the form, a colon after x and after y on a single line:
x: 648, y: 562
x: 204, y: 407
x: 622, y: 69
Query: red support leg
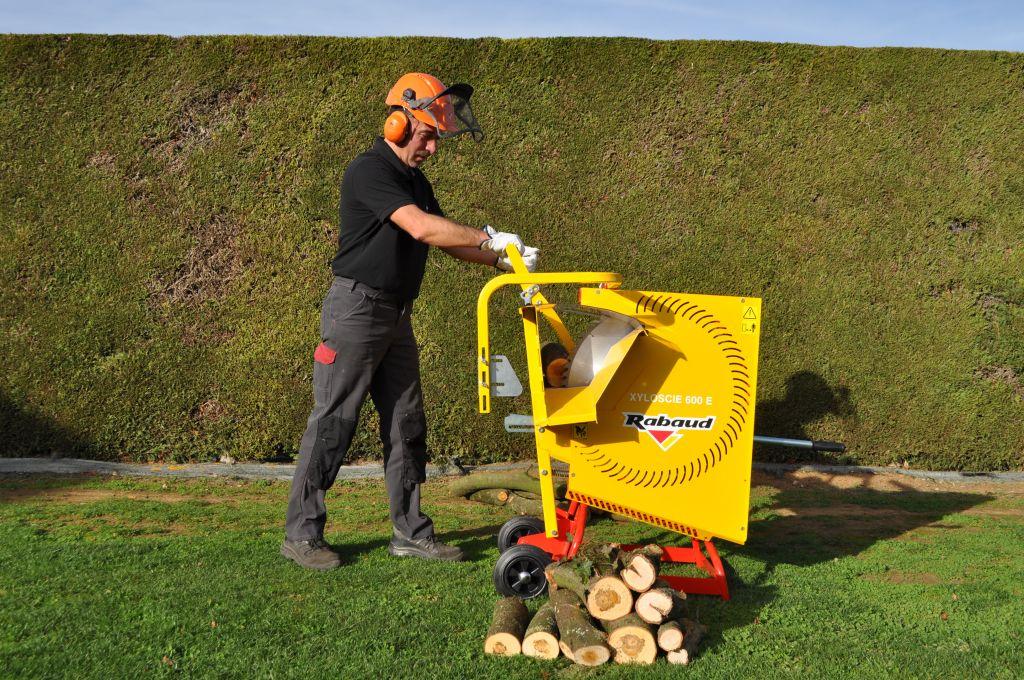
x: 714, y: 584
x: 573, y: 522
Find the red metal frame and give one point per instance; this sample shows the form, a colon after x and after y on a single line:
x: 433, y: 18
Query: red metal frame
x: 573, y: 522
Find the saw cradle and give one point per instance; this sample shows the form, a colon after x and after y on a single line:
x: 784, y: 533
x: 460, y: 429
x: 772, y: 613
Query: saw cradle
x: 661, y: 430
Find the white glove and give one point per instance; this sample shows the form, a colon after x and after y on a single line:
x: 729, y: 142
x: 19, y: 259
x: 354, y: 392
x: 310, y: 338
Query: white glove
x: 499, y: 240
x: 529, y: 259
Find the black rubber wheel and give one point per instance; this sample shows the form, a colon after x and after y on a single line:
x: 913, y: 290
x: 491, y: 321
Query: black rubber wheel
x: 520, y: 572
x: 516, y: 528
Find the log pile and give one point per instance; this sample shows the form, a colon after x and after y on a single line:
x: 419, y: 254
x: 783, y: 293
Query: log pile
x: 518, y: 490
x: 604, y: 605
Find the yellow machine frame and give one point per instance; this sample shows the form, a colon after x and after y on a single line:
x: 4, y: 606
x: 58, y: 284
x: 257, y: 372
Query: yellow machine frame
x: 663, y: 433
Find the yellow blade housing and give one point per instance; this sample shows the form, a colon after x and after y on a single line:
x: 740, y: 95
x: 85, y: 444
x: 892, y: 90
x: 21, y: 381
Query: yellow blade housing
x: 666, y: 435
x: 664, y: 431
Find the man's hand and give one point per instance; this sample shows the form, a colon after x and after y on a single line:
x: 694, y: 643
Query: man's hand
x: 500, y: 240
x: 529, y: 259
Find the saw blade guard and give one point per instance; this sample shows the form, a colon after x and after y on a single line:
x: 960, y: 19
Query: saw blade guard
x: 592, y: 352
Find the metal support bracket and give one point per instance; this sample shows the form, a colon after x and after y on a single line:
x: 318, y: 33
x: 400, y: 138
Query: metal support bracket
x: 527, y: 295
x: 517, y: 423
x: 504, y: 381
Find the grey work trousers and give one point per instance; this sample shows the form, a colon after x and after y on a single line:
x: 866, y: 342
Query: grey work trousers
x: 368, y: 347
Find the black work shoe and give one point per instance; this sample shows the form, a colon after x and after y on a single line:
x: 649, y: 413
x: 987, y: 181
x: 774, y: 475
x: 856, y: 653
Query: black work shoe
x: 313, y: 554
x: 428, y: 548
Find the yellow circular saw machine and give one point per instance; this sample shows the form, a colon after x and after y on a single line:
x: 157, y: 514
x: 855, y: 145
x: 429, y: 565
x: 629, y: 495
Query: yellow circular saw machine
x: 652, y: 411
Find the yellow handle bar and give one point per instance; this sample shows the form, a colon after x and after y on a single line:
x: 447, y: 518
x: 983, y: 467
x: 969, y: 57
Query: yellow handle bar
x: 528, y: 282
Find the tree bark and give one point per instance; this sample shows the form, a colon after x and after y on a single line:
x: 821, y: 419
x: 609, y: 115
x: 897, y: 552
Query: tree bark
x: 640, y: 567
x: 541, y: 638
x: 693, y: 634
x: 490, y: 496
x: 523, y: 505
x: 632, y: 639
x: 585, y: 642
x: 608, y: 598
x: 508, y: 624
x: 564, y: 575
x: 513, y: 480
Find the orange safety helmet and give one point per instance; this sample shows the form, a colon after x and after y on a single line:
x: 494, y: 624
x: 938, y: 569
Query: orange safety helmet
x: 429, y: 101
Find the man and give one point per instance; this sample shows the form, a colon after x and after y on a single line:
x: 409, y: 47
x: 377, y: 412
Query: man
x: 388, y: 219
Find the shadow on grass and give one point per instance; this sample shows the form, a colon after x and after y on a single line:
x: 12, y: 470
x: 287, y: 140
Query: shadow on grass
x: 811, y: 521
x: 474, y: 542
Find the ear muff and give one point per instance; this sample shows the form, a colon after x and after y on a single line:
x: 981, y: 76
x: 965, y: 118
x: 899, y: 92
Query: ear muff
x: 396, y: 127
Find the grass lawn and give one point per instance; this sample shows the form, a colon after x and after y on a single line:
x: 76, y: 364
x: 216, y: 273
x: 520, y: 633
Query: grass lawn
x: 853, y: 576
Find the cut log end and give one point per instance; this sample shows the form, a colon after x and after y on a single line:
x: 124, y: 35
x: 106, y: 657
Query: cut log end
x: 541, y: 646
x: 678, y: 656
x: 670, y: 636
x: 594, y: 655
x: 658, y: 604
x: 585, y: 643
x: 502, y: 644
x: 490, y: 496
x: 693, y: 633
x: 609, y: 599
x: 639, y: 576
x: 641, y: 567
x: 507, y: 627
x: 541, y: 639
x: 632, y: 639
x: 634, y: 646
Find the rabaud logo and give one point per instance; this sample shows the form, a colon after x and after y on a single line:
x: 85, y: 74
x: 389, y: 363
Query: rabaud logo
x: 664, y: 429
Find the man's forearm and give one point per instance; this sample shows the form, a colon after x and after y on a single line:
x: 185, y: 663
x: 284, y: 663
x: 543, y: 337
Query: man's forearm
x: 445, y: 233
x: 472, y: 255
x: 438, y: 231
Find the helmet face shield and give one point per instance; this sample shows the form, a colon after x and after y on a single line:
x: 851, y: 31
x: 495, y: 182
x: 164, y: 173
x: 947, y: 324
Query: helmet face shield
x: 449, y: 112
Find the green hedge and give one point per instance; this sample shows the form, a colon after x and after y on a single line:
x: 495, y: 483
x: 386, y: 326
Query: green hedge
x: 168, y: 207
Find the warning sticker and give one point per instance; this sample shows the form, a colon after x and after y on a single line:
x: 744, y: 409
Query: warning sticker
x: 748, y: 324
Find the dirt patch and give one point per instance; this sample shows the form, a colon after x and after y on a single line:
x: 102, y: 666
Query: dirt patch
x: 994, y: 512
x: 210, y: 265
x: 934, y: 533
x: 979, y: 163
x: 139, y: 528
x: 959, y: 225
x: 104, y: 160
x: 856, y: 511
x: 859, y: 511
x: 907, y: 577
x: 880, y: 482
x: 200, y: 118
x: 1004, y: 375
x: 81, y: 496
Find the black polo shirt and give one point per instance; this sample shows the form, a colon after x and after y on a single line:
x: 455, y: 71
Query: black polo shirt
x: 371, y: 248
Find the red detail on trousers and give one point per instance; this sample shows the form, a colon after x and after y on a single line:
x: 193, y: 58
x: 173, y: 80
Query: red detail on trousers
x: 324, y: 354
